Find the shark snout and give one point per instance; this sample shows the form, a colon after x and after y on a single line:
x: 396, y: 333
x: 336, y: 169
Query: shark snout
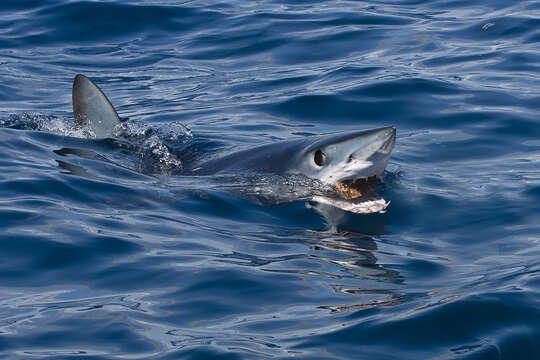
x: 372, y: 157
x: 379, y: 142
x: 389, y: 134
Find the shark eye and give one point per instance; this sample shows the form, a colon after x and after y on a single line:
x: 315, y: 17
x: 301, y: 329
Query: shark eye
x: 319, y: 158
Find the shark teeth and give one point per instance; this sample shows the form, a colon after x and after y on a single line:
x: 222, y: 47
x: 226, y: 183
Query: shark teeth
x: 357, y: 207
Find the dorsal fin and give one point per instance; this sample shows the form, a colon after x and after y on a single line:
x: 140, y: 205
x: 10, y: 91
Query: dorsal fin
x: 92, y: 109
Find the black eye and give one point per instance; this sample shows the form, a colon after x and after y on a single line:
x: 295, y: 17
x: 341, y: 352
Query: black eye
x: 319, y: 158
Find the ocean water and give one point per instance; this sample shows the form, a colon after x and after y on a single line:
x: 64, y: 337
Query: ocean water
x: 109, y: 251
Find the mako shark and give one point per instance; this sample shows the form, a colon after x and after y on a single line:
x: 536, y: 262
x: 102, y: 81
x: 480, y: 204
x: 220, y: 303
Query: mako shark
x: 349, y: 162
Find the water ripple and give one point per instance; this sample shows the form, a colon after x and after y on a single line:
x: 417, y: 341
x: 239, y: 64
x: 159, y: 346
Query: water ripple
x: 110, y: 251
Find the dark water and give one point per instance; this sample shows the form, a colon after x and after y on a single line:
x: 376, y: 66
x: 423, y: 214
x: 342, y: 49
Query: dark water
x: 107, y: 252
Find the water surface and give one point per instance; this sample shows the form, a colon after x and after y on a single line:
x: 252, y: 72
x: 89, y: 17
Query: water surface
x: 108, y: 251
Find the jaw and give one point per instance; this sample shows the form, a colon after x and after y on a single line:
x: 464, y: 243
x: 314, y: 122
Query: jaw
x: 354, y: 193
x: 354, y: 179
x: 355, y: 196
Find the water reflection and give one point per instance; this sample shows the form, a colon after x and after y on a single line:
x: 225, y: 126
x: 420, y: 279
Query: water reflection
x: 360, y: 263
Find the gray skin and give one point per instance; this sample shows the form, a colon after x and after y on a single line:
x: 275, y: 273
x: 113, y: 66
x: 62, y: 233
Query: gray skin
x: 348, y: 156
x: 92, y: 109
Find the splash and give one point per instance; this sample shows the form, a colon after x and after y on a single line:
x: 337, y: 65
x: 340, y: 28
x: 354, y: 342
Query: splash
x: 156, y: 145
x: 46, y: 123
x: 153, y: 145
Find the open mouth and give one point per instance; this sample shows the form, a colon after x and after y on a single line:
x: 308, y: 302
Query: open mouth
x: 356, y: 196
x: 353, y: 189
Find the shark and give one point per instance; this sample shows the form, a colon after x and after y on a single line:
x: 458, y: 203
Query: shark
x: 350, y: 163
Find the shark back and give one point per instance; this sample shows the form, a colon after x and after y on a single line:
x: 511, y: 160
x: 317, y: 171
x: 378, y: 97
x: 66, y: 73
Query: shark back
x: 92, y: 109
x: 274, y: 158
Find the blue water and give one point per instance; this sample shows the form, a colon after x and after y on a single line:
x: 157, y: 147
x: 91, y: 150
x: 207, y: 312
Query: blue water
x: 109, y: 251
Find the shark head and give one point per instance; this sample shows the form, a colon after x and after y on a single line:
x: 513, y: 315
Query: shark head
x: 347, y: 157
x: 351, y: 163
